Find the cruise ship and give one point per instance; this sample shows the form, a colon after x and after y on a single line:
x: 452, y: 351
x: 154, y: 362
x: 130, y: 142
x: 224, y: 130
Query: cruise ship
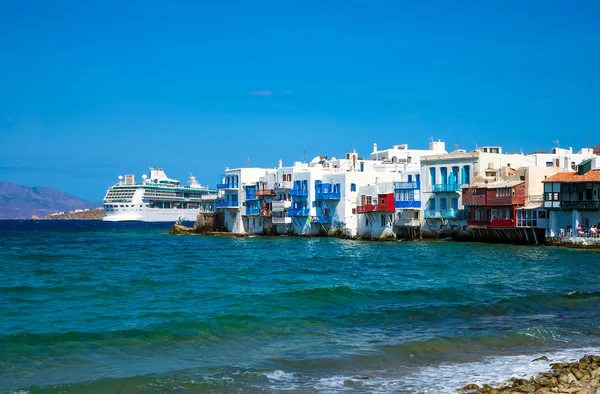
x: 157, y: 199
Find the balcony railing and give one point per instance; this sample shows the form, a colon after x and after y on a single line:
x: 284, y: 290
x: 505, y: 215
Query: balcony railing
x: 227, y: 204
x: 252, y: 211
x: 384, y: 208
x: 580, y: 205
x: 474, y: 199
x: 445, y: 187
x: 298, y: 212
x: 365, y: 208
x: 502, y: 223
x: 407, y: 204
x: 227, y: 185
x: 285, y: 185
x: 250, y: 196
x: 327, y: 196
x: 444, y: 213
x: 323, y: 219
x: 280, y: 206
x: 265, y: 192
x: 407, y: 185
x: 299, y: 192
x: 281, y: 220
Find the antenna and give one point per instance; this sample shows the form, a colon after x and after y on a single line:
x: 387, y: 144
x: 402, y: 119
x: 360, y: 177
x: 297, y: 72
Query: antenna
x: 588, y: 139
x: 304, y: 155
x: 557, y: 142
x: 248, y: 161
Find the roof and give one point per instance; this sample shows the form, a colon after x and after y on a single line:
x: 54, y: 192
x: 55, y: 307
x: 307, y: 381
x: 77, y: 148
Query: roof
x: 495, y: 185
x: 532, y: 205
x: 590, y: 176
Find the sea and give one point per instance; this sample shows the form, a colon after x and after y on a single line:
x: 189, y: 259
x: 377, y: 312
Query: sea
x: 94, y: 307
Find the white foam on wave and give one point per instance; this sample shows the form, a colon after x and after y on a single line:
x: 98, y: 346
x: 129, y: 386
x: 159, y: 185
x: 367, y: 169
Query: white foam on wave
x: 279, y: 375
x: 446, y: 378
x: 282, y: 380
x: 443, y: 378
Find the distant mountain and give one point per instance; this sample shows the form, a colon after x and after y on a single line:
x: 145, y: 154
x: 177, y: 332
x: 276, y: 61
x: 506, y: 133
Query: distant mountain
x: 21, y: 202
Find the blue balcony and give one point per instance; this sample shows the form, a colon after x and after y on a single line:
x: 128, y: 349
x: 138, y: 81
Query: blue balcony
x: 299, y: 192
x: 444, y: 214
x: 445, y: 187
x: 227, y: 185
x: 252, y: 211
x: 329, y: 195
x: 227, y: 204
x: 407, y: 185
x: 323, y: 219
x: 327, y: 191
x: 298, y: 212
x: 407, y: 204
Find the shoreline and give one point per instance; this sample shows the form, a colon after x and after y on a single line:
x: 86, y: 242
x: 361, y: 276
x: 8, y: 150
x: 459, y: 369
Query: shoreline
x: 581, y: 377
x: 575, y: 243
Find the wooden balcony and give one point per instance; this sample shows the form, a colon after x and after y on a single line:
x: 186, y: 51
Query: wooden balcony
x: 365, y: 208
x: 265, y: 193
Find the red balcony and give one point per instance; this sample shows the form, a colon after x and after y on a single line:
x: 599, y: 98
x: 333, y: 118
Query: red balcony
x: 502, y: 223
x: 365, y: 208
x: 494, y: 201
x: 265, y: 192
x: 474, y: 196
x: 385, y: 207
x: 515, y: 195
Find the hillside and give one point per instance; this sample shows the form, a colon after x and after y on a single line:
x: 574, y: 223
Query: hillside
x: 22, y: 202
x: 91, y: 214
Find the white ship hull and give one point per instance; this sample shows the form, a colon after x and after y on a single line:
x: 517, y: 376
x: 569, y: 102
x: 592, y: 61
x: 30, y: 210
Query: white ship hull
x: 157, y: 199
x: 151, y: 215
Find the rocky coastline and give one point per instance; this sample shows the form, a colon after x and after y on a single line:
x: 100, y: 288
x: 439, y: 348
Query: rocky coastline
x: 213, y: 224
x: 580, y: 377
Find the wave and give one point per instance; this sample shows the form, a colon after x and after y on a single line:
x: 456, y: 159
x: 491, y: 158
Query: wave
x: 441, y: 377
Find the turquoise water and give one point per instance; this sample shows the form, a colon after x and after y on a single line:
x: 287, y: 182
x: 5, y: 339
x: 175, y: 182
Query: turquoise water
x: 101, y: 307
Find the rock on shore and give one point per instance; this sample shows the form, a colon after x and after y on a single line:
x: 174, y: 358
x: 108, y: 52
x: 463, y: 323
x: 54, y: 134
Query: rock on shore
x: 580, y: 377
x: 205, y: 223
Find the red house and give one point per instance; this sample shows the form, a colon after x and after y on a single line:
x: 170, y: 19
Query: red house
x: 494, y: 205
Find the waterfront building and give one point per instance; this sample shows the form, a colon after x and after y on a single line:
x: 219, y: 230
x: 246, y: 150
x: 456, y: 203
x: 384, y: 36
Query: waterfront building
x: 406, y: 164
x: 237, y: 185
x: 446, y: 176
x: 573, y: 199
x: 376, y: 211
x: 507, y: 204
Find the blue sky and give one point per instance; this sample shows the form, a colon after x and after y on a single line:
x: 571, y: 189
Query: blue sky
x: 95, y: 89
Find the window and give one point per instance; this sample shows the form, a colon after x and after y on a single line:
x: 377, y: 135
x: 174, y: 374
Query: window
x: 353, y: 211
x: 383, y: 220
x: 353, y: 187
